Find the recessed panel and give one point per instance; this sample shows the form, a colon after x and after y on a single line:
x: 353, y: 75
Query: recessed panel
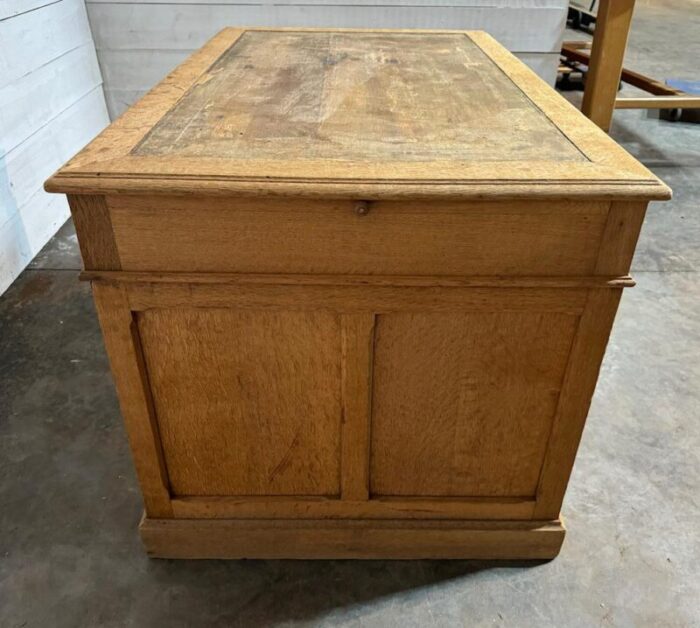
x: 247, y: 402
x: 463, y: 403
x: 357, y: 96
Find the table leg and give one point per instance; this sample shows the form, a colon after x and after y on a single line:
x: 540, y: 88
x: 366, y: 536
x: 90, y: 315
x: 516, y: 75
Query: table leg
x: 607, y: 55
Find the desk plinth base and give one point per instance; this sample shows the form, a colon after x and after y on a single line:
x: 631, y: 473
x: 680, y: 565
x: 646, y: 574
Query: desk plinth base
x: 359, y: 539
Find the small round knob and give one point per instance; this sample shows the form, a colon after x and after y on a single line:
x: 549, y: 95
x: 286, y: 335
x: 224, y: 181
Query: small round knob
x: 362, y: 208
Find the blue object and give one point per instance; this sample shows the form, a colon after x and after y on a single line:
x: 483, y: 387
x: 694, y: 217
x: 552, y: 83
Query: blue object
x: 689, y: 87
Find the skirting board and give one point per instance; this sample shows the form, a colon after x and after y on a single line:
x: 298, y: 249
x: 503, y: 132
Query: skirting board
x: 326, y: 539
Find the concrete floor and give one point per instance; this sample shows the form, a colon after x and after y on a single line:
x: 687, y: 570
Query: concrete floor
x: 70, y: 555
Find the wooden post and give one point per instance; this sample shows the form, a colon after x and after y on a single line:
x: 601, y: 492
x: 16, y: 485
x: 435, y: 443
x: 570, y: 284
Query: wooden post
x: 607, y: 55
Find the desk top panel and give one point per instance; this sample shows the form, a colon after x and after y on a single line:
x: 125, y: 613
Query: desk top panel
x: 362, y: 114
x: 357, y: 96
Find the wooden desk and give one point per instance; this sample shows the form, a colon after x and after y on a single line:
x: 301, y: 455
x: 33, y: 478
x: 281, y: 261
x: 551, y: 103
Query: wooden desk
x: 355, y: 288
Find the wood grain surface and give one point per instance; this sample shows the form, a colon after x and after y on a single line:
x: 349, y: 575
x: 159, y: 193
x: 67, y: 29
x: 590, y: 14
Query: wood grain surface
x: 356, y: 288
x: 93, y: 221
x: 135, y: 396
x: 351, y: 539
x: 392, y: 238
x: 342, y: 96
x: 341, y: 113
x: 248, y: 403
x: 463, y: 403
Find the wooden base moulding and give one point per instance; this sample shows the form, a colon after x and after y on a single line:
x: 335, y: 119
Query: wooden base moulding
x: 358, y: 539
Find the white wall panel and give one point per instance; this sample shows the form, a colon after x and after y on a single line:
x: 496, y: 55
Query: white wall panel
x: 27, y: 231
x: 33, y: 100
x: 32, y: 162
x: 13, y: 8
x: 520, y: 26
x: 51, y: 104
x: 34, y: 38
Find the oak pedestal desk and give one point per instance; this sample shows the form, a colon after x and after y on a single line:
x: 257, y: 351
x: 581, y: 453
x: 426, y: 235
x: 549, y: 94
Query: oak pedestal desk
x: 355, y: 288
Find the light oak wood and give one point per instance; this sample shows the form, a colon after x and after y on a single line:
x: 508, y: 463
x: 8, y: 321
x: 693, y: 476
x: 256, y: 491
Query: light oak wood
x: 310, y: 91
x: 356, y: 289
x: 463, y: 403
x: 322, y: 237
x: 600, y: 170
x: 352, y: 299
x: 133, y: 386
x: 357, y: 358
x: 577, y: 391
x: 183, y: 538
x: 503, y: 508
x: 248, y: 403
x: 619, y: 239
x: 494, y: 281
x: 659, y: 102
x: 91, y: 216
x: 607, y: 54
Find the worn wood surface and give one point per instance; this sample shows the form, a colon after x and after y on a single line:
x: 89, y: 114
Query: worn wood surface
x: 376, y: 114
x: 351, y: 539
x: 474, y: 508
x: 135, y: 396
x: 619, y: 239
x: 93, y: 221
x: 578, y: 386
x: 340, y: 96
x: 357, y: 359
x: 463, y: 403
x: 393, y: 238
x: 248, y: 403
x: 354, y: 298
x: 473, y: 281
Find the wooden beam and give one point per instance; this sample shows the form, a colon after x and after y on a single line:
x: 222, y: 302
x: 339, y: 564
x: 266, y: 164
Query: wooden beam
x: 607, y: 55
x: 357, y: 358
x: 659, y: 102
x: 275, y: 539
x: 572, y: 51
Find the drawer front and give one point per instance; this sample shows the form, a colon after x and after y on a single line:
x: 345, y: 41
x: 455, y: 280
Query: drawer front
x: 409, y: 238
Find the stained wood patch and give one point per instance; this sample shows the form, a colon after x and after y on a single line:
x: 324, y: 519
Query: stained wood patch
x: 366, y: 96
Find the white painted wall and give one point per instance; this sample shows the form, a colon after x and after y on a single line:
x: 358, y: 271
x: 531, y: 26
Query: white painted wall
x: 51, y: 105
x: 139, y: 41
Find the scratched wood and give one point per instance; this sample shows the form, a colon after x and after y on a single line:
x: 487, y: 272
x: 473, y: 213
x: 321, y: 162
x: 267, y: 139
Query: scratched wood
x: 350, y: 96
x: 248, y: 403
x: 336, y: 113
x: 463, y: 403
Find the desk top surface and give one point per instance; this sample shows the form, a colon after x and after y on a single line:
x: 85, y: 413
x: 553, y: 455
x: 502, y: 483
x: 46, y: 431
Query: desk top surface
x: 342, y: 97
x: 369, y: 114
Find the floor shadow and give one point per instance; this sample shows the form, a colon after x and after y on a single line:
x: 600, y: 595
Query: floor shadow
x: 274, y: 592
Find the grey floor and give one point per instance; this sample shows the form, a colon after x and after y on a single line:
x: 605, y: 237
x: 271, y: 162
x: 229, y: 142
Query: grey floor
x: 69, y: 504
